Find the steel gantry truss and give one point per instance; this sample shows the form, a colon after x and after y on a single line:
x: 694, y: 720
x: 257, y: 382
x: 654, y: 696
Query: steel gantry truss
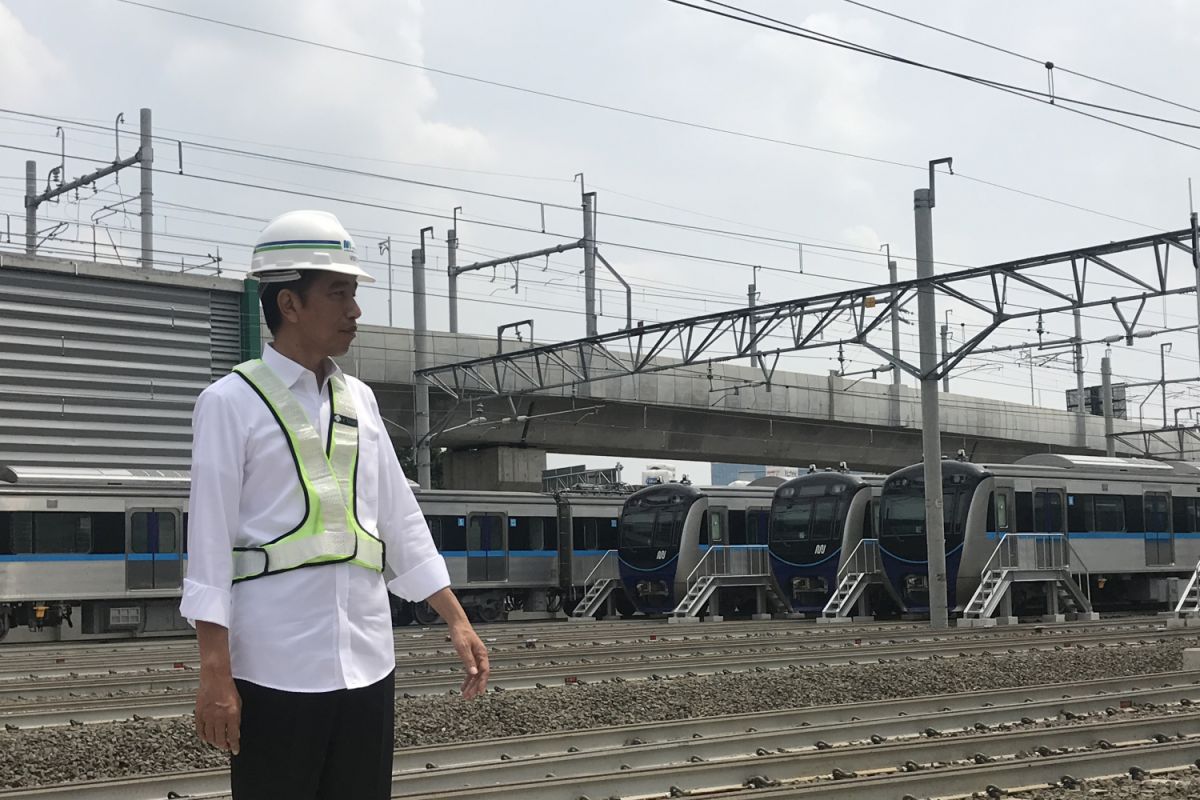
x: 1104, y: 278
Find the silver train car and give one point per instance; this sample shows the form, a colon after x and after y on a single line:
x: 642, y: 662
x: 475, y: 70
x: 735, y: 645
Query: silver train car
x: 106, y: 549
x: 107, y: 545
x: 1133, y: 524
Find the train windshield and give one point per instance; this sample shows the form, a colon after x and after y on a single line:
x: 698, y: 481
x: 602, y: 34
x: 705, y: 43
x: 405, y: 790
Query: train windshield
x: 652, y: 527
x: 903, y: 512
x: 807, y: 519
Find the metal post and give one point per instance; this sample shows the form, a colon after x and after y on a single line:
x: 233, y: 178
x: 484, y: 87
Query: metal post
x: 1110, y: 444
x: 451, y: 266
x: 945, y: 350
x: 751, y: 295
x: 1080, y: 412
x: 146, y: 154
x: 31, y: 207
x: 931, y: 437
x: 1196, y: 265
x: 1162, y: 380
x: 894, y: 278
x: 589, y: 261
x: 421, y: 360
x: 387, y: 246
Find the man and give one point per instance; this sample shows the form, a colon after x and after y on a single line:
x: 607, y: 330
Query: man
x: 298, y: 506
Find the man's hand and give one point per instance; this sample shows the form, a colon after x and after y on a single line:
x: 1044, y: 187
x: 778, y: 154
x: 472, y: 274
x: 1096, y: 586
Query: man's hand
x: 219, y: 712
x: 218, y: 705
x: 466, y: 642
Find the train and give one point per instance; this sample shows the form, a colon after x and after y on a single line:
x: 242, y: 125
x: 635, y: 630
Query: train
x: 817, y: 520
x: 107, y: 548
x: 1133, y: 524
x: 666, y: 529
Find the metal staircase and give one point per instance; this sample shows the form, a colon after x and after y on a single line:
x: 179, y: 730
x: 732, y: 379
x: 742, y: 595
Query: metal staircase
x: 862, y: 569
x: 1189, y: 601
x: 748, y: 565
x: 598, y: 586
x: 1046, y: 558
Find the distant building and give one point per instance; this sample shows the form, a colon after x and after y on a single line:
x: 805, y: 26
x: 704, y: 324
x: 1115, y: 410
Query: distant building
x: 725, y: 474
x: 658, y: 473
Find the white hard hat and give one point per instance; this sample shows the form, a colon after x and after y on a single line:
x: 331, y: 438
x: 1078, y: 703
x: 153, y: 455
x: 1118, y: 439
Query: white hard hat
x: 304, y: 240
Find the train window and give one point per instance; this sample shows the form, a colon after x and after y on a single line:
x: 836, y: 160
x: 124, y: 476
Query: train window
x: 1048, y: 511
x: 6, y: 543
x: 1110, y: 514
x: 668, y: 525
x: 824, y: 512
x: 454, y: 534
x: 606, y: 534
x: 737, y: 527
x: 1187, y: 515
x: 48, y: 532
x: 792, y: 522
x: 526, y: 533
x: 153, y: 532
x: 716, y: 533
x: 183, y: 547
x: 1134, y: 514
x: 1081, y: 514
x: 1001, y: 503
x: 1157, y: 518
x: 435, y: 530
x: 1024, y: 512
x: 584, y: 533
x: 704, y: 528
x: 757, y: 521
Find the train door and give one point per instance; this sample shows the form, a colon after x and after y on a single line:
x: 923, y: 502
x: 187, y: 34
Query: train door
x: 757, y: 522
x: 153, y: 549
x: 1160, y: 541
x: 487, y: 547
x: 1049, y: 506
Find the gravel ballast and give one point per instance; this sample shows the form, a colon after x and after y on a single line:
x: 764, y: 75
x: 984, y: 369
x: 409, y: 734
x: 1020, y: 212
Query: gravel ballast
x: 144, y: 746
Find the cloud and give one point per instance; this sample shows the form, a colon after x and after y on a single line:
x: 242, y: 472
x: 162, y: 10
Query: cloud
x: 29, y: 67
x: 299, y: 92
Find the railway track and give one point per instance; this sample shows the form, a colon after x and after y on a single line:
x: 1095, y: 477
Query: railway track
x: 800, y: 749
x: 62, y: 702
x: 51, y: 662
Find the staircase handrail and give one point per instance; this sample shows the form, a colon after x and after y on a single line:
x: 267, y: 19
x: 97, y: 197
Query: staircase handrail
x: 1072, y: 559
x: 610, y: 570
x: 1181, y: 604
x: 708, y: 564
x: 863, y: 558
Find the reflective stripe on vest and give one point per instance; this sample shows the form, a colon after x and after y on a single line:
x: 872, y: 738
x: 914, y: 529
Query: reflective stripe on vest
x: 330, y: 532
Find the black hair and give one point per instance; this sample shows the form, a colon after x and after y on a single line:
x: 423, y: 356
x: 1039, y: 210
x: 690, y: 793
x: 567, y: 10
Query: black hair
x: 268, y: 295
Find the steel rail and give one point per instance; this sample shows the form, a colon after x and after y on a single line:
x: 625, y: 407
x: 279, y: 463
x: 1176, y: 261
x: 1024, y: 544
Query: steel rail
x: 818, y: 764
x: 101, y: 664
x: 529, y: 757
x: 530, y: 676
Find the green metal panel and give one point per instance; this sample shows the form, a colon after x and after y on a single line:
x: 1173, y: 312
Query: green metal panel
x: 251, y: 326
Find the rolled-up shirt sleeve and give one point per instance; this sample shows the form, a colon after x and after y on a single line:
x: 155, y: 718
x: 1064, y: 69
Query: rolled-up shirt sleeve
x: 218, y: 461
x: 419, y: 568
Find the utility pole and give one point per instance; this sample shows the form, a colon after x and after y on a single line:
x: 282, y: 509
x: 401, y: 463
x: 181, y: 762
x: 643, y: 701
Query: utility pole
x: 1081, y: 410
x: 30, y: 207
x: 1162, y: 380
x: 893, y: 279
x: 421, y: 361
x: 751, y: 299
x: 1110, y: 444
x: 931, y: 436
x: 451, y: 265
x: 589, y: 261
x: 1196, y: 266
x: 146, y: 156
x: 946, y: 348
x: 386, y: 247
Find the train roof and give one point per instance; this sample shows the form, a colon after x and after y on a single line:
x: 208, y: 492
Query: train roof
x: 93, y: 478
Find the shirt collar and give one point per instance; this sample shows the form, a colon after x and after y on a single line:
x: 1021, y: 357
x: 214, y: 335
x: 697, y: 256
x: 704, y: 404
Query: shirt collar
x: 291, y: 372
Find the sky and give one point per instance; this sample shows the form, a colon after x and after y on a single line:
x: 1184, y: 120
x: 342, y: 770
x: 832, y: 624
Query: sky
x: 832, y: 144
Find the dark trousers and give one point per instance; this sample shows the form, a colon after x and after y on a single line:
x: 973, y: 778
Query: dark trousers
x: 315, y: 746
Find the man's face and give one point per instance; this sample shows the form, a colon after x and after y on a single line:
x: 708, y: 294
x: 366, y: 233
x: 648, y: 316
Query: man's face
x: 326, y: 318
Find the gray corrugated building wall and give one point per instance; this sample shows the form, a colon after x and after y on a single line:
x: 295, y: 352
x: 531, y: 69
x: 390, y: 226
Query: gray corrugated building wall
x: 102, y: 364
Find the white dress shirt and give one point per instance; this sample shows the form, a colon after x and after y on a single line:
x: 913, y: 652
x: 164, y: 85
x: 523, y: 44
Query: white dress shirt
x: 315, y: 629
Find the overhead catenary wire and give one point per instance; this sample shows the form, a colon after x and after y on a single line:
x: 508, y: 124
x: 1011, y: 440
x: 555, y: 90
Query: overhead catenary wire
x: 579, y: 101
x: 791, y: 29
x: 1039, y: 61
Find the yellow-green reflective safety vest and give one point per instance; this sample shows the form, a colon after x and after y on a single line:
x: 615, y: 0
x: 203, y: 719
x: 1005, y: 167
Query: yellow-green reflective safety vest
x: 330, y: 532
